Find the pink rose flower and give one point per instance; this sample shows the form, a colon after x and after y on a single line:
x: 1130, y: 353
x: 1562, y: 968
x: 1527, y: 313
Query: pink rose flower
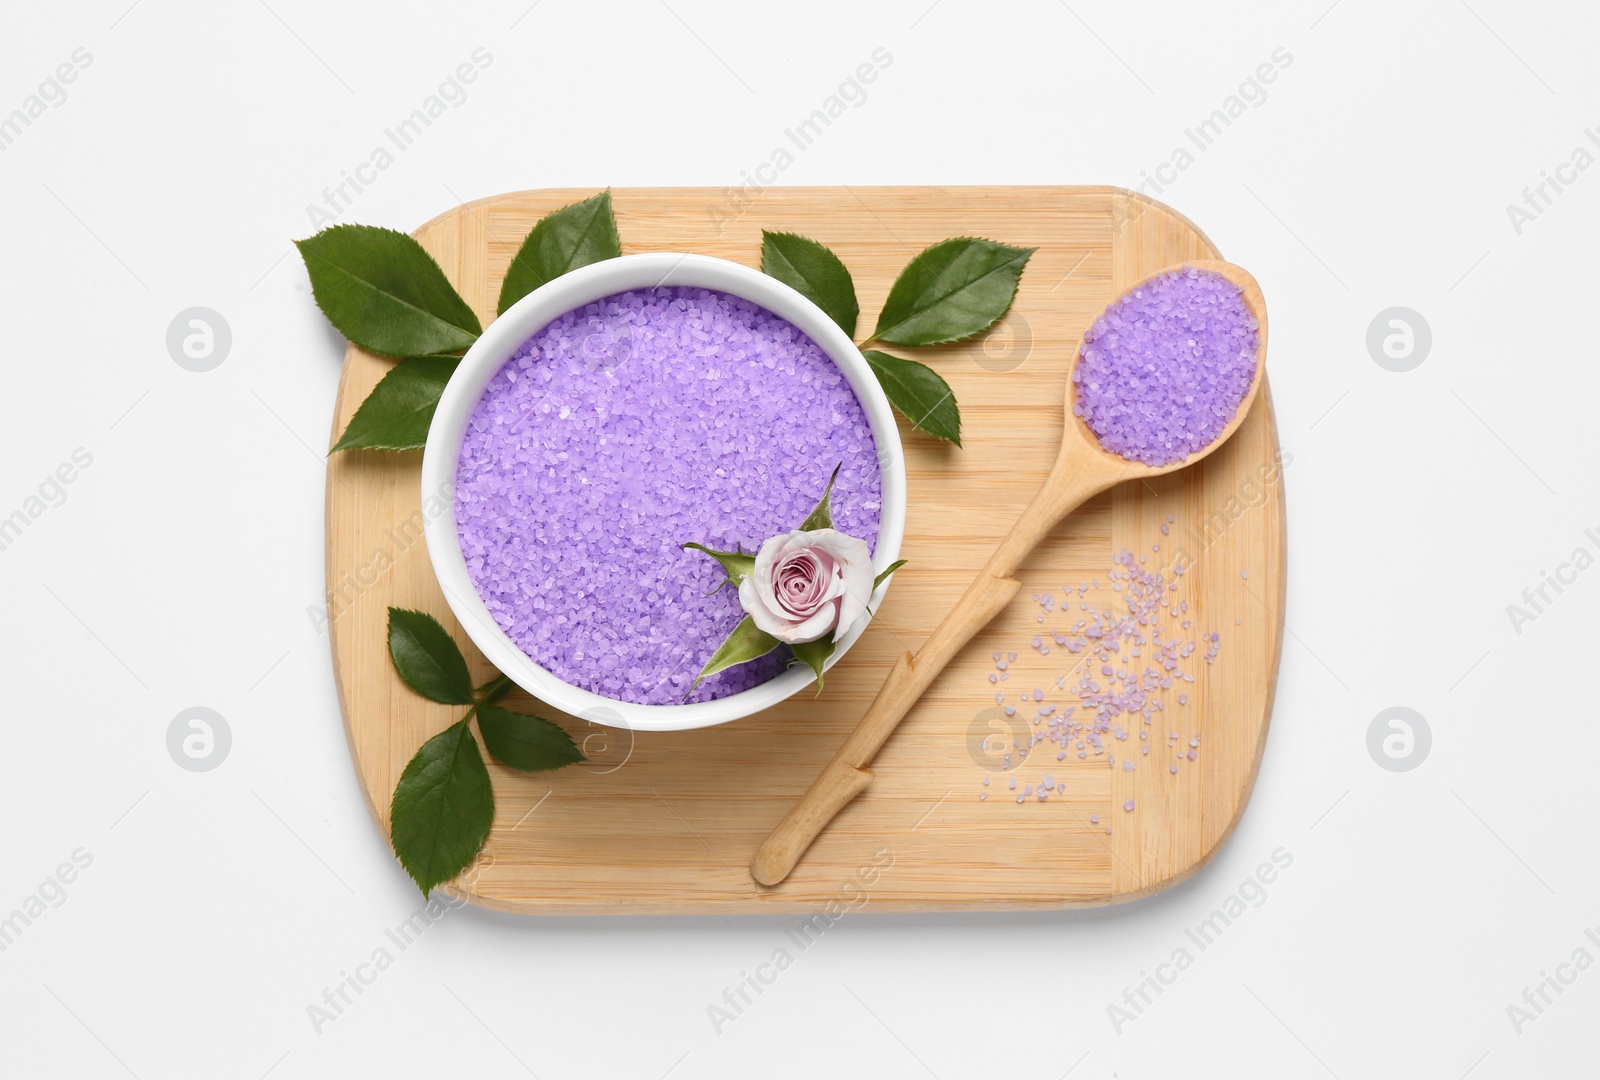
x: 806, y: 584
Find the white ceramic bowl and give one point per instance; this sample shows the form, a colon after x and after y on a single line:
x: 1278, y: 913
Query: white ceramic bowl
x: 489, y: 354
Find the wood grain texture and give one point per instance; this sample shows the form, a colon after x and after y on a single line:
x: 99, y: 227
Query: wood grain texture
x: 1083, y: 469
x: 668, y: 821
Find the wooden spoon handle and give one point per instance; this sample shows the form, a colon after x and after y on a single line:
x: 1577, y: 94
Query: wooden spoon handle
x: 846, y: 776
x: 829, y: 793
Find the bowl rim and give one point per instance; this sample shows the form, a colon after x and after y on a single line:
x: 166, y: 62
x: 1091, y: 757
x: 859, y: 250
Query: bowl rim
x: 502, y: 337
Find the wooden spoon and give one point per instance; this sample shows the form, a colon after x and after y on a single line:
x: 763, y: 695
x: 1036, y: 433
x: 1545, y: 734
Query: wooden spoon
x: 1083, y: 469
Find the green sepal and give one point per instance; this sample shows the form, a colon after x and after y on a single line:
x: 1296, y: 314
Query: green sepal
x: 746, y: 643
x: 822, y: 516
x: 814, y: 654
x: 891, y: 568
x: 736, y: 564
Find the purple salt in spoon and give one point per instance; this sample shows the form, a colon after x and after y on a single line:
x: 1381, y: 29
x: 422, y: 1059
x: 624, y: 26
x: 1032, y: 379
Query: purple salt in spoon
x: 1084, y: 468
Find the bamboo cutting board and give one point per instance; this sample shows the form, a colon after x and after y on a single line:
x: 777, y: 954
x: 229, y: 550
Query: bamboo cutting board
x: 667, y: 821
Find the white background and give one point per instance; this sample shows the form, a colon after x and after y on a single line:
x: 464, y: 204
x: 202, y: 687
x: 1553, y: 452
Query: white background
x: 178, y: 570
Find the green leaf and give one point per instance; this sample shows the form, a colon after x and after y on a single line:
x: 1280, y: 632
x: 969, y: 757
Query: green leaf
x: 529, y: 743
x: 397, y: 413
x: 953, y: 290
x: 822, y: 516
x: 563, y: 240
x: 919, y: 393
x: 427, y: 658
x: 442, y: 808
x: 813, y: 654
x: 383, y: 292
x: 891, y: 568
x: 814, y: 272
x: 743, y: 645
x: 735, y: 563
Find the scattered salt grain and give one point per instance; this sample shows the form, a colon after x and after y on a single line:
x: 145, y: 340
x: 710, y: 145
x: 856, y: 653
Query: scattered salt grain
x: 1138, y: 655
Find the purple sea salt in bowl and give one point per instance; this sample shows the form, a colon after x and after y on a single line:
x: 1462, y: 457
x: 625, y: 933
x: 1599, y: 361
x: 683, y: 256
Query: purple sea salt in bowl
x: 618, y: 431
x: 608, y: 417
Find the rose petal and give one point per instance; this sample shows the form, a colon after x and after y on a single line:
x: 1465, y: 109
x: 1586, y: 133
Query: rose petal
x: 806, y: 583
x: 854, y: 561
x: 784, y: 629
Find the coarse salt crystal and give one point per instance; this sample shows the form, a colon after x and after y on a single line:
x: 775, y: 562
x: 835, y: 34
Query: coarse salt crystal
x: 571, y: 519
x: 1163, y: 370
